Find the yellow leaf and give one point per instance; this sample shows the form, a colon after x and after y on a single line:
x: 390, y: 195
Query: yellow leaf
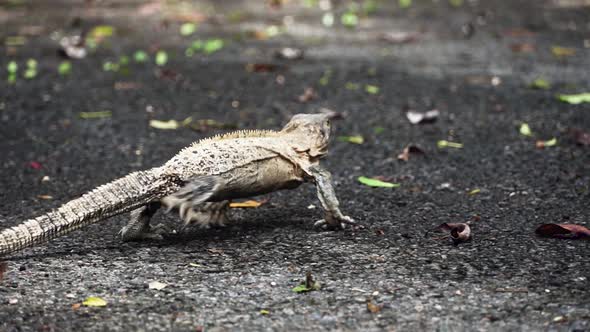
x: 166, y: 125
x: 246, y: 204
x: 94, y: 301
x: 560, y: 51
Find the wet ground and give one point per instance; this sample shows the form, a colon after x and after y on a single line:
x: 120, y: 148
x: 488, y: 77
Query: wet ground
x: 473, y: 62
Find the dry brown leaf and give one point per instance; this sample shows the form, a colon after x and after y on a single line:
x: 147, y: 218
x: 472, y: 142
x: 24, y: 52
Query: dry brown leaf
x: 459, y: 232
x: 523, y: 48
x: 76, y: 306
x: 405, y: 155
x: 308, y: 94
x: 127, y: 85
x: 580, y: 137
x: 373, y: 308
x: 563, y: 231
x: 45, y: 197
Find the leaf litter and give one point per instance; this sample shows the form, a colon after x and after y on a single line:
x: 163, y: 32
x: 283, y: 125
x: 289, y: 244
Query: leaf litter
x: 457, y: 232
x: 374, y: 182
x: 410, y: 150
x: 563, y: 231
x: 308, y: 285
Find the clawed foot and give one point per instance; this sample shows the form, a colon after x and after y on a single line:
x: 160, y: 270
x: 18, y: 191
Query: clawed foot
x: 334, y: 223
x: 156, y: 233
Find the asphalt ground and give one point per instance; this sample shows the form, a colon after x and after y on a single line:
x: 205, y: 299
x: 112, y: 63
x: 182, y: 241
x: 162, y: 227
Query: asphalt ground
x: 474, y: 63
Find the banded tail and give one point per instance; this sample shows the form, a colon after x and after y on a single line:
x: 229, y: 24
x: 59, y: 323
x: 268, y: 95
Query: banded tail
x: 116, y: 197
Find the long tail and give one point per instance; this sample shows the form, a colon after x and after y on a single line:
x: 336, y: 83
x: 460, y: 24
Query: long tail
x: 119, y: 196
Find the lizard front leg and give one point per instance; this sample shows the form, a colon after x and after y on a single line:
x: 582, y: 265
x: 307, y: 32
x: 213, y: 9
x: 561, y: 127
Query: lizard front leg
x: 333, y: 217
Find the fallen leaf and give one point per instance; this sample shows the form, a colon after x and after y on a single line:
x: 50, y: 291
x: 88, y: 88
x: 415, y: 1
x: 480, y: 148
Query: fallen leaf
x: 446, y: 144
x: 328, y: 19
x: 12, y: 41
x: 410, y: 149
x: 140, y: 56
x: 459, y: 232
x: 187, y: 29
x: 35, y: 165
x: 540, y: 84
x: 308, y: 285
x: 576, y: 98
x: 64, y: 68
x: 264, y: 312
x: 45, y: 197
x: 246, y: 204
x: 157, y: 285
x: 525, y: 130
x: 400, y: 37
x: 261, y: 67
x: 544, y: 144
x: 356, y: 139
x: 580, y: 137
x: 127, y: 85
x: 212, y: 45
x: 94, y: 301
x: 560, y: 51
x: 564, y: 231
x: 207, y: 124
x: 404, y: 3
x: 195, y: 265
x: 308, y: 94
x: 474, y: 192
x: 522, y: 47
x: 289, y: 53
x: 373, y: 308
x: 372, y: 89
x: 422, y: 117
x: 76, y: 306
x: 161, y: 58
x: 349, y: 19
x: 101, y: 31
x: 165, y: 125
x: 372, y: 182
x: 95, y: 115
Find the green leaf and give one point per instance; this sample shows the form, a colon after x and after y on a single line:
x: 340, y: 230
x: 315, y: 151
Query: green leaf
x: 110, y: 66
x: 349, y: 19
x: 370, y: 6
x: 376, y: 183
x: 188, y: 29
x: 140, y: 56
x: 212, y: 45
x: 328, y: 19
x: 94, y: 301
x: 264, y: 312
x: 525, y: 130
x: 165, y: 125
x: 124, y: 60
x: 12, y: 78
x: 551, y: 142
x: 474, y: 192
x: 372, y: 89
x: 446, y: 144
x: 576, y: 98
x: 378, y: 130
x: 456, y: 3
x: 161, y: 58
x: 102, y: 31
x: 12, y: 67
x: 30, y: 73
x: 540, y: 83
x: 32, y: 64
x: 96, y: 115
x: 351, y: 86
x: 197, y: 45
x: 64, y: 68
x: 356, y: 139
x: 301, y: 289
x: 405, y: 3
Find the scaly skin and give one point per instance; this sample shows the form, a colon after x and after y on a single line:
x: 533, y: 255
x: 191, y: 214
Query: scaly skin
x: 199, y: 181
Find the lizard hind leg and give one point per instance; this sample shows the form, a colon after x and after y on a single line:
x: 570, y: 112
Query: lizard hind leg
x: 138, y: 228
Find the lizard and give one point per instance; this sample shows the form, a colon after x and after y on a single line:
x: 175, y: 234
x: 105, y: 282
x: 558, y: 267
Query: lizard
x: 199, y: 182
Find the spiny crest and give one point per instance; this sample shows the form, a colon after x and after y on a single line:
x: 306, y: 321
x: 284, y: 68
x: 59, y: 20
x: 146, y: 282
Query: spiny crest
x: 248, y: 133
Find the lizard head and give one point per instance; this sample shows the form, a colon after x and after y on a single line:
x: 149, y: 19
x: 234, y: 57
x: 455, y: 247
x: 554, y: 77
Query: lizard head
x: 312, y: 131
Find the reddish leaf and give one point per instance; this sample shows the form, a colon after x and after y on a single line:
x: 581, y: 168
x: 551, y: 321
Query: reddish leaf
x: 308, y: 94
x: 563, y: 231
x: 580, y: 137
x: 261, y: 67
x: 459, y: 232
x: 35, y: 165
x: 405, y: 155
x: 522, y: 48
